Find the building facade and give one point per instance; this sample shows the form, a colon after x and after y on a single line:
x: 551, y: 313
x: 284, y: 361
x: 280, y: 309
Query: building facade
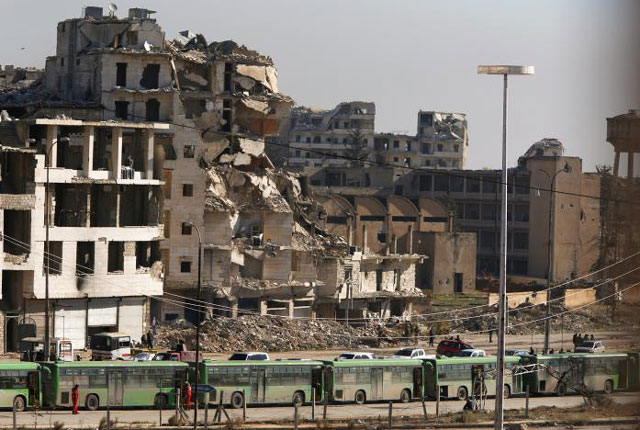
x: 473, y: 196
x: 345, y: 136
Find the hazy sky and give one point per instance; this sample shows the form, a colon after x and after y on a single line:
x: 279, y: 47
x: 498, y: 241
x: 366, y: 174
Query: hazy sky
x: 407, y: 55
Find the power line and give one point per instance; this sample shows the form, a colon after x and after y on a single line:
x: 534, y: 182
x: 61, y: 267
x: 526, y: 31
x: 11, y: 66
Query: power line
x: 385, y: 164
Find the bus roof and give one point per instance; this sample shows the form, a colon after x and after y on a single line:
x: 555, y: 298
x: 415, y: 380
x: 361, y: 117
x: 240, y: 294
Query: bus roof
x: 262, y: 363
x: 472, y: 360
x: 18, y: 365
x: 579, y: 355
x: 115, y: 363
x: 376, y: 362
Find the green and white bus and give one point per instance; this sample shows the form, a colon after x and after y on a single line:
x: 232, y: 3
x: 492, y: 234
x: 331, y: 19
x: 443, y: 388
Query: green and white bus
x: 113, y: 383
x: 374, y: 380
x: 457, y: 376
x: 19, y: 385
x: 560, y: 373
x: 261, y: 382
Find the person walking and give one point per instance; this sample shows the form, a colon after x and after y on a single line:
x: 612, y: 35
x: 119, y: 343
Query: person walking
x: 575, y: 339
x: 75, y: 395
x: 490, y: 335
x: 432, y: 336
x: 187, y: 396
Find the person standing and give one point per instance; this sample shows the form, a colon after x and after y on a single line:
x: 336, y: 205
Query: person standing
x: 432, y: 336
x: 187, y: 396
x: 75, y: 395
x: 491, y: 335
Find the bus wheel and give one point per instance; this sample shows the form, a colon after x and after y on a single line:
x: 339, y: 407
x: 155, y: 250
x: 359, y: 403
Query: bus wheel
x: 462, y: 393
x: 160, y: 401
x: 608, y: 386
x: 237, y: 400
x: 92, y: 403
x: 506, y: 391
x: 405, y: 396
x: 561, y: 389
x: 361, y: 397
x: 298, y: 398
x: 19, y: 403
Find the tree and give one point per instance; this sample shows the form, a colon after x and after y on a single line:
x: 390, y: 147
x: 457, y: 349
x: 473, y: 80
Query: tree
x: 356, y: 148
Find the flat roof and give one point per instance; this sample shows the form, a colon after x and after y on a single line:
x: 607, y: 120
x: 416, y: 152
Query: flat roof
x: 121, y: 124
x: 240, y: 363
x: 18, y: 365
x: 474, y: 360
x: 376, y: 362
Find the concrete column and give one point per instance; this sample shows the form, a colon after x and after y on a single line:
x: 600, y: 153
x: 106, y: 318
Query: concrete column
x: 630, y: 166
x: 88, y: 214
x: 234, y: 310
x: 52, y: 139
x: 365, y: 240
x: 87, y: 150
x: 395, y: 244
x: 616, y: 164
x: 290, y: 304
x: 118, y: 198
x: 349, y: 238
x: 263, y: 306
x: 116, y: 152
x: 410, y: 240
x: 101, y: 257
x: 148, y: 153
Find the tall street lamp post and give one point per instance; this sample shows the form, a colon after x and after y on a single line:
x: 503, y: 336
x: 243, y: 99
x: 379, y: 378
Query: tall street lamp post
x: 505, y: 71
x: 195, y: 387
x: 547, y: 323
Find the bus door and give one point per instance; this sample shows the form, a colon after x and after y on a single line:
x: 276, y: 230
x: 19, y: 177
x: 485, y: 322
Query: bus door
x: 634, y: 371
x: 316, y: 382
x: 377, y: 374
x: 115, y: 395
x: 623, y: 375
x: 257, y: 385
x: 417, y: 383
x: 34, y: 388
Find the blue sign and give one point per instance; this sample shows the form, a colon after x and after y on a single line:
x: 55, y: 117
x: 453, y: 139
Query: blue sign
x: 203, y: 388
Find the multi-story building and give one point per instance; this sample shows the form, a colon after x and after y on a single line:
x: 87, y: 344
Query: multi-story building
x: 474, y: 197
x: 345, y: 136
x: 104, y: 232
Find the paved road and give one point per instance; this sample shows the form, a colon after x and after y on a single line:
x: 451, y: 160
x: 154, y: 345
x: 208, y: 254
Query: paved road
x: 146, y: 417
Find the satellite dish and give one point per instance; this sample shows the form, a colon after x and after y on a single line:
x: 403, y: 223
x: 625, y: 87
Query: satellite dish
x: 112, y: 9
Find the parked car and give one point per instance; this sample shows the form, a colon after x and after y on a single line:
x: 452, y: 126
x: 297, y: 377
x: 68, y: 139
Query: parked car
x: 472, y: 353
x: 590, y: 346
x: 451, y: 347
x: 410, y: 353
x: 357, y: 356
x: 166, y: 356
x: 516, y: 352
x: 144, y: 356
x: 249, y: 356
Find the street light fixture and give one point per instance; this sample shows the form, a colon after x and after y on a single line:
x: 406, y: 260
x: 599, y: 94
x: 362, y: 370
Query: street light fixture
x: 505, y: 71
x: 552, y: 179
x: 195, y: 387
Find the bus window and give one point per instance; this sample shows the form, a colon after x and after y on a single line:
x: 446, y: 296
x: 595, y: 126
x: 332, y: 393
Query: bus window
x: 124, y: 342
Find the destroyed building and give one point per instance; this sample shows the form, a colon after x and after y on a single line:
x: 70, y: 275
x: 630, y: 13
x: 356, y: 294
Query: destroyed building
x: 473, y: 196
x: 345, y: 136
x: 104, y: 233
x: 15, y: 78
x: 210, y: 106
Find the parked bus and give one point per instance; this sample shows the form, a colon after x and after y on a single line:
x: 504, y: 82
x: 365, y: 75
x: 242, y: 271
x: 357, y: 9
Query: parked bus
x: 457, y: 377
x: 19, y: 385
x: 374, y: 380
x: 260, y: 382
x: 562, y: 372
x: 110, y: 346
x: 113, y: 383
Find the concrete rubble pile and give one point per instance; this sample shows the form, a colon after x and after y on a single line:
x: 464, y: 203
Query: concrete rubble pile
x: 255, y: 333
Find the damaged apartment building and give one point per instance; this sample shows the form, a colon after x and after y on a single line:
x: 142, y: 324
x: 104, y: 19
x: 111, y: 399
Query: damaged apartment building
x: 104, y: 230
x: 211, y: 107
x: 345, y: 136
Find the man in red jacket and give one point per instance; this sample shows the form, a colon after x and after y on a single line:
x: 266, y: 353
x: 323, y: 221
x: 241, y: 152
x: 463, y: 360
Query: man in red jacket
x: 187, y: 396
x: 74, y: 398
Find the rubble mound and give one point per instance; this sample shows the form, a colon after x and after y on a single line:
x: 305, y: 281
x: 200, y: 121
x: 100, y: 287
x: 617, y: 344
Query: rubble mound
x: 273, y: 334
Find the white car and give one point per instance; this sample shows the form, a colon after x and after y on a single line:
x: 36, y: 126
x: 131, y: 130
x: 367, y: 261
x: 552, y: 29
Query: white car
x: 412, y: 353
x: 249, y: 356
x: 144, y: 356
x: 472, y: 353
x: 357, y: 356
x: 590, y: 346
